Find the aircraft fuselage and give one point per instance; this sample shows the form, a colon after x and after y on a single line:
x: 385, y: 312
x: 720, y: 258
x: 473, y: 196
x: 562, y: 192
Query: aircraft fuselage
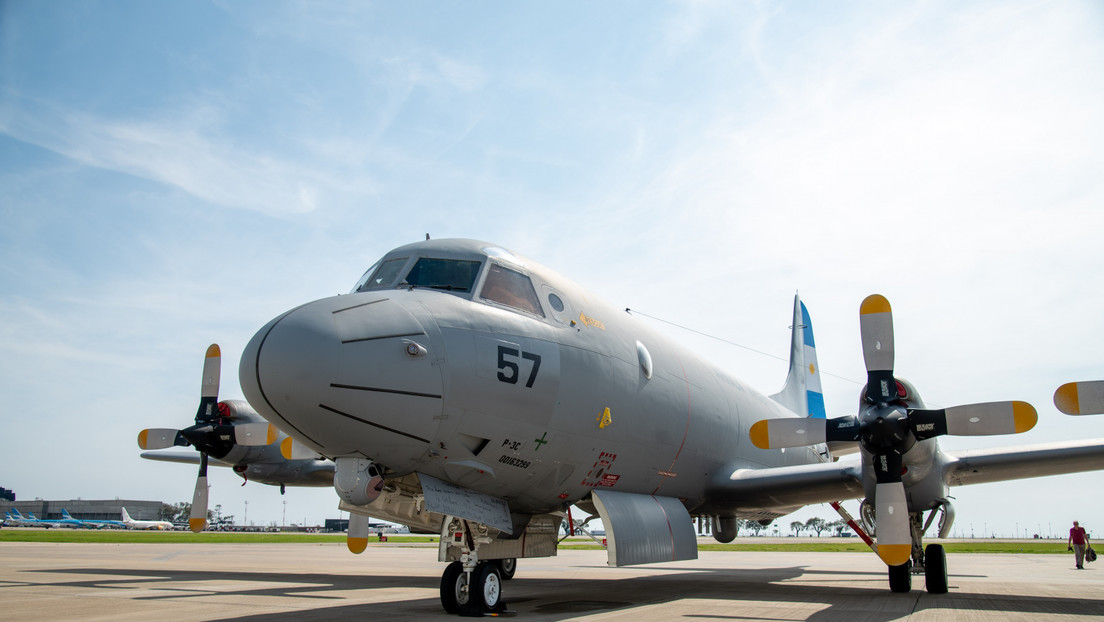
x: 536, y: 400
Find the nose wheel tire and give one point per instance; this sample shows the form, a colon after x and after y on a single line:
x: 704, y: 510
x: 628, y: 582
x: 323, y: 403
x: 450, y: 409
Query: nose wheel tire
x: 481, y: 596
x: 507, y: 567
x: 454, y: 584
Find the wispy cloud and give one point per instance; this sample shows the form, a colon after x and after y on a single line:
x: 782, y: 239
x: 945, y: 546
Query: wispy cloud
x: 188, y: 149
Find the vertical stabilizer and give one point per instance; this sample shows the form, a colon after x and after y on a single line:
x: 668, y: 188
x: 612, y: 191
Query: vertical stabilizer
x: 802, y: 392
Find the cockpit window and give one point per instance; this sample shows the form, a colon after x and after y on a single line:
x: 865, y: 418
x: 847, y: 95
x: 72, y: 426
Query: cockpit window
x: 512, y: 289
x: 448, y: 274
x: 381, y: 275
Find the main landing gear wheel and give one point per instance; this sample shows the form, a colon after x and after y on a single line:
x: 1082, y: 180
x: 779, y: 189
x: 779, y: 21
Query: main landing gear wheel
x: 483, y: 595
x: 935, y: 569
x: 900, y: 578
x: 507, y: 567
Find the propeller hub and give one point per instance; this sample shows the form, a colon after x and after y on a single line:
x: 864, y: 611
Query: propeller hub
x: 216, y: 440
x: 885, y: 427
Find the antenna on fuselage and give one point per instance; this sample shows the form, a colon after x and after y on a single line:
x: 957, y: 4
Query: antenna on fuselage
x: 427, y: 236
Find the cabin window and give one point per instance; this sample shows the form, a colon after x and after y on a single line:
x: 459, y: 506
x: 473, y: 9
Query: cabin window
x: 557, y: 304
x: 448, y: 274
x: 381, y: 275
x: 511, y: 288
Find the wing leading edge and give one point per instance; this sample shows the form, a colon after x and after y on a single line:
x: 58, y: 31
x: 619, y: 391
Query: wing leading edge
x: 781, y: 490
x: 784, y: 489
x: 980, y: 466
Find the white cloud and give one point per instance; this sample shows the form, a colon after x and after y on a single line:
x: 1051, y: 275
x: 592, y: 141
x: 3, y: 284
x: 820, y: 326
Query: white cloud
x: 187, y: 149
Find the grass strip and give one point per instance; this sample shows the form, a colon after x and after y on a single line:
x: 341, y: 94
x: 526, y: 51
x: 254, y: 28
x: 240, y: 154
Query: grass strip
x: 69, y: 536
x: 66, y: 536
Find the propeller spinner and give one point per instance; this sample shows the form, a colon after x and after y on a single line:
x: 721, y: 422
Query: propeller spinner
x: 213, y: 434
x: 886, y: 427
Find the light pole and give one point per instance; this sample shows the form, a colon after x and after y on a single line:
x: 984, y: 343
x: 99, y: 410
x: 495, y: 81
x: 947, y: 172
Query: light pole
x: 284, y: 520
x: 245, y: 520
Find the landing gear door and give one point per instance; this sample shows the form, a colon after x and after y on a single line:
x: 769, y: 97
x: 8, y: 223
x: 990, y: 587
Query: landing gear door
x: 643, y: 529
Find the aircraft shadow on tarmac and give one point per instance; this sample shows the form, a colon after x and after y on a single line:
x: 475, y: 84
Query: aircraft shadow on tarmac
x: 554, y: 598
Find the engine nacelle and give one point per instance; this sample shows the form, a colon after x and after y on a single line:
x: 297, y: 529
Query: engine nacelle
x: 238, y: 411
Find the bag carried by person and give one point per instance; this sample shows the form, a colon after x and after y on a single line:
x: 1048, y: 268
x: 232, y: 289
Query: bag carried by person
x: 1090, y: 555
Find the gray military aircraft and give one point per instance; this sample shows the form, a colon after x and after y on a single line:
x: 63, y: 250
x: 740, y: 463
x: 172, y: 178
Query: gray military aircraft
x: 233, y: 435
x: 465, y: 390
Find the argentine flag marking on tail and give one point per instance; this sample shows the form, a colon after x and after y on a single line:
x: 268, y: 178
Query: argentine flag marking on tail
x: 813, y: 391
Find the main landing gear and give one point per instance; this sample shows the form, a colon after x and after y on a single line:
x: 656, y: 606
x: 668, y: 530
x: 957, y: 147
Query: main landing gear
x: 933, y: 566
x: 930, y: 561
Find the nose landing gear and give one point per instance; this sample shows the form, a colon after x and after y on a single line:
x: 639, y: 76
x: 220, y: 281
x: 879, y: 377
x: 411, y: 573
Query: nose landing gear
x: 474, y: 593
x: 471, y: 587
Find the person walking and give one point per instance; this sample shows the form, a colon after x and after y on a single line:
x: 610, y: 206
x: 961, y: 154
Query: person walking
x: 1078, y: 541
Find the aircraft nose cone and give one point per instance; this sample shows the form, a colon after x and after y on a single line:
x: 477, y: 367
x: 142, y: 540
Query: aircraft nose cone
x: 349, y: 374
x: 287, y: 364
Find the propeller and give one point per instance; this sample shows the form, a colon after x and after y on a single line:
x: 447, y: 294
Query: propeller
x: 886, y: 427
x: 213, y: 434
x: 292, y: 449
x: 1080, y: 398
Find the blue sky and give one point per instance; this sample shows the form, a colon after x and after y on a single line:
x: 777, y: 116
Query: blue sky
x: 174, y: 174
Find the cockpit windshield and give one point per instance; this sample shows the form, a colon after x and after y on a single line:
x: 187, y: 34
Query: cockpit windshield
x: 453, y: 275
x: 381, y: 275
x: 511, y: 288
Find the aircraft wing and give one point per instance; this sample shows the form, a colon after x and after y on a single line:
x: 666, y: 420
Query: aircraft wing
x: 979, y: 466
x: 772, y: 489
x: 792, y: 486
x: 182, y: 458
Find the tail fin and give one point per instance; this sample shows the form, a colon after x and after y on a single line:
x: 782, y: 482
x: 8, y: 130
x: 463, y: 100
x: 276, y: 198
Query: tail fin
x: 15, y: 513
x: 802, y: 392
x: 65, y: 514
x: 126, y: 517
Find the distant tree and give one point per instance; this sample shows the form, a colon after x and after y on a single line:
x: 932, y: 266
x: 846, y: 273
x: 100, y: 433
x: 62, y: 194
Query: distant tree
x: 838, y: 526
x: 177, y: 512
x: 797, y: 527
x: 816, y: 524
x: 754, y: 526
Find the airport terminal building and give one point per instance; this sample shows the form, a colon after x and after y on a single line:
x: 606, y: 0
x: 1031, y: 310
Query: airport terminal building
x: 84, y: 509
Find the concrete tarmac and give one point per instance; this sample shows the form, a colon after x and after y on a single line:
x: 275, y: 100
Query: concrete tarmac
x: 304, y: 582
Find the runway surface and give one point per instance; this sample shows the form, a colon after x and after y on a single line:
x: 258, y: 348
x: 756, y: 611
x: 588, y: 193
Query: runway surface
x: 303, y: 582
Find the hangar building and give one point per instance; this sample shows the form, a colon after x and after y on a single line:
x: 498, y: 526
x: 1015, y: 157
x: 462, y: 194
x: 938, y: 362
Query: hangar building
x: 85, y: 509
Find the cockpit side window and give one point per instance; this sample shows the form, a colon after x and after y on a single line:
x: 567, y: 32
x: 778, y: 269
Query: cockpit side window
x: 382, y: 276
x: 513, y: 289
x: 448, y: 274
